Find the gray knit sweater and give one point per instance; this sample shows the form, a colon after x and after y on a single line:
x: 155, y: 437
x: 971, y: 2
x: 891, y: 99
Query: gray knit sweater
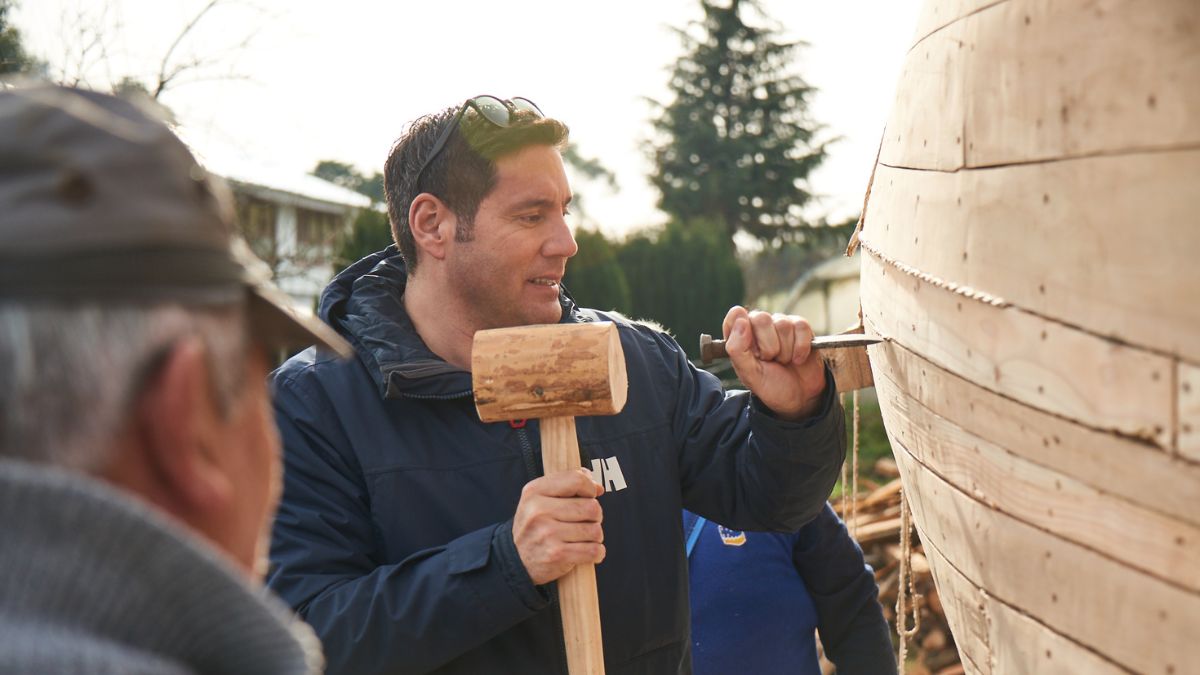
x: 92, y: 581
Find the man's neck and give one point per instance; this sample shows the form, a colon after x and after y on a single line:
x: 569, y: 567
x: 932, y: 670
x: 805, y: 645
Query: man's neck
x: 444, y: 327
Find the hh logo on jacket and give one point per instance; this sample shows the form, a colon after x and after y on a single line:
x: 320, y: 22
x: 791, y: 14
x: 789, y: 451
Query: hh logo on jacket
x: 607, y: 472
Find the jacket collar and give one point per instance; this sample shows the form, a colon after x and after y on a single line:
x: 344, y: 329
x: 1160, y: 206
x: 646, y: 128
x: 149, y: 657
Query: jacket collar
x: 365, y: 304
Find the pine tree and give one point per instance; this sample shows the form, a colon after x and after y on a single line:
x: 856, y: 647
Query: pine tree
x: 737, y: 143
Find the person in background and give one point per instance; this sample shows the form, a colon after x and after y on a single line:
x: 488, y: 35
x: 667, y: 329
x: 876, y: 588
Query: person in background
x: 757, y: 598
x: 139, y: 462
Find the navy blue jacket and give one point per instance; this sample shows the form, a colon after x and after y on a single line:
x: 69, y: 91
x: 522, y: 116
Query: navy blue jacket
x: 758, y: 596
x: 394, y: 537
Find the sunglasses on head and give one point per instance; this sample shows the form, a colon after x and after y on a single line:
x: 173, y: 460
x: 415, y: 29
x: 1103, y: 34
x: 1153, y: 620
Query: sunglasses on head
x: 498, y: 111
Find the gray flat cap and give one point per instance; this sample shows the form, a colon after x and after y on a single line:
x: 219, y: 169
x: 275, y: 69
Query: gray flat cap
x: 100, y: 202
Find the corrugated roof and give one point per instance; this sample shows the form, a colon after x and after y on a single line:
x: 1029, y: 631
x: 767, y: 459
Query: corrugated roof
x: 235, y: 166
x: 291, y: 182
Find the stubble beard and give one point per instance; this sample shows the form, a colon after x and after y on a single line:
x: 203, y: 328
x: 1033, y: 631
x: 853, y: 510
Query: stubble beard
x: 487, y: 302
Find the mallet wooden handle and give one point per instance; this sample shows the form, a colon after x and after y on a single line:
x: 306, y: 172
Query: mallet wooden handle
x: 711, y: 350
x: 577, y: 597
x: 553, y: 373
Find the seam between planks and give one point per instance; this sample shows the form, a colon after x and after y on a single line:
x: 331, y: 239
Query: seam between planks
x: 991, y: 594
x: 1023, y: 519
x: 1149, y: 447
x: 1000, y: 303
x: 951, y: 22
x: 1117, y: 152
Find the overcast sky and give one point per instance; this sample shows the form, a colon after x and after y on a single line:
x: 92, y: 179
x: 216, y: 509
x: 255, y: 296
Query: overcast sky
x: 339, y: 80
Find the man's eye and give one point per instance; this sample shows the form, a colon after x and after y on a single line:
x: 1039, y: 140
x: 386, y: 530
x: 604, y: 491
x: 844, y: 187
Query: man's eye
x: 530, y: 218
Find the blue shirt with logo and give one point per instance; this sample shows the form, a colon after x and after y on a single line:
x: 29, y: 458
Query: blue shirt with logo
x: 758, y: 599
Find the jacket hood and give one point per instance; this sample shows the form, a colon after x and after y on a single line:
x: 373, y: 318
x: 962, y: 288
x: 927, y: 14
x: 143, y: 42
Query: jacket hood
x: 335, y: 296
x: 364, y: 303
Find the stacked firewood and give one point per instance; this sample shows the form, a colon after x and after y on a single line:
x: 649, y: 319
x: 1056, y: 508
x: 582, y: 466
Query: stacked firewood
x: 877, y: 528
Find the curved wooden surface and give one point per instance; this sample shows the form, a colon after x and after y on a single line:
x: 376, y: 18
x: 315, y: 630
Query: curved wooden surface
x: 1032, y: 253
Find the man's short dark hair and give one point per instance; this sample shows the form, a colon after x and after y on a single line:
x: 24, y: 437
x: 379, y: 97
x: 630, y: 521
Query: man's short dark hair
x: 463, y: 173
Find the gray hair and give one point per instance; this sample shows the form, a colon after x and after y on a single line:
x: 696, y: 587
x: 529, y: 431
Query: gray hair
x: 70, y: 372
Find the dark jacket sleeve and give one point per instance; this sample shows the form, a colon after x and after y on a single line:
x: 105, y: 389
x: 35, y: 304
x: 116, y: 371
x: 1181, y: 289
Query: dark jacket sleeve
x: 850, y: 621
x: 409, y: 617
x: 743, y: 467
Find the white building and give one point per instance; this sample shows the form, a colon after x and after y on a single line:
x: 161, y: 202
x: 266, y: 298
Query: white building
x: 292, y: 221
x: 290, y: 218
x: 826, y: 295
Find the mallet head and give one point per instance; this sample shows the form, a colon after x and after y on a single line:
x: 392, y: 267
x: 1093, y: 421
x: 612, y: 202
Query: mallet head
x: 553, y: 370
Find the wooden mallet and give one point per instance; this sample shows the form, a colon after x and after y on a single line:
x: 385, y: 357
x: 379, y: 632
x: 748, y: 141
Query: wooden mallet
x: 554, y: 373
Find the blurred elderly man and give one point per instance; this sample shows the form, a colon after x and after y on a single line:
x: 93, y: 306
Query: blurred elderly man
x: 139, y: 463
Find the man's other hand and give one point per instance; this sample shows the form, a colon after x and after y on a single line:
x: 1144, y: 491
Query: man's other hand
x: 557, y: 524
x: 773, y: 356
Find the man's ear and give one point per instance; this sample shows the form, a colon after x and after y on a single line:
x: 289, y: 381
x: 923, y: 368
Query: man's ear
x: 432, y: 224
x: 175, y: 417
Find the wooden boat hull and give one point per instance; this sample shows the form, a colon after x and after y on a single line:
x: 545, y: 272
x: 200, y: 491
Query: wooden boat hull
x: 1031, y: 250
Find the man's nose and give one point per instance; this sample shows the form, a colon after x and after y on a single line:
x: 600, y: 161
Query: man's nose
x: 561, y: 243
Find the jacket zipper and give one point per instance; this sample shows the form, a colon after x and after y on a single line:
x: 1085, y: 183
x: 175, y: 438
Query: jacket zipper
x: 531, y: 472
x: 527, y: 453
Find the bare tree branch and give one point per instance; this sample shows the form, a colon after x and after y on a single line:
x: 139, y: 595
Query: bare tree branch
x: 88, y: 34
x: 171, y: 79
x: 163, y: 79
x: 221, y: 77
x: 87, y: 37
x: 84, y: 45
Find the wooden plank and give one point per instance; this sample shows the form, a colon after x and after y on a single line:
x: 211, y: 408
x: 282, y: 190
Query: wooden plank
x: 1044, y: 364
x: 966, y: 608
x: 1189, y: 412
x: 1038, y: 237
x: 1133, y: 619
x: 969, y: 667
x: 1016, y: 643
x: 1029, y: 647
x: 1046, y: 79
x: 1134, y: 471
x: 924, y: 219
x: 850, y: 366
x: 937, y: 14
x: 925, y: 127
x: 1036, y: 80
x: 882, y: 495
x: 880, y: 530
x: 1161, y: 545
